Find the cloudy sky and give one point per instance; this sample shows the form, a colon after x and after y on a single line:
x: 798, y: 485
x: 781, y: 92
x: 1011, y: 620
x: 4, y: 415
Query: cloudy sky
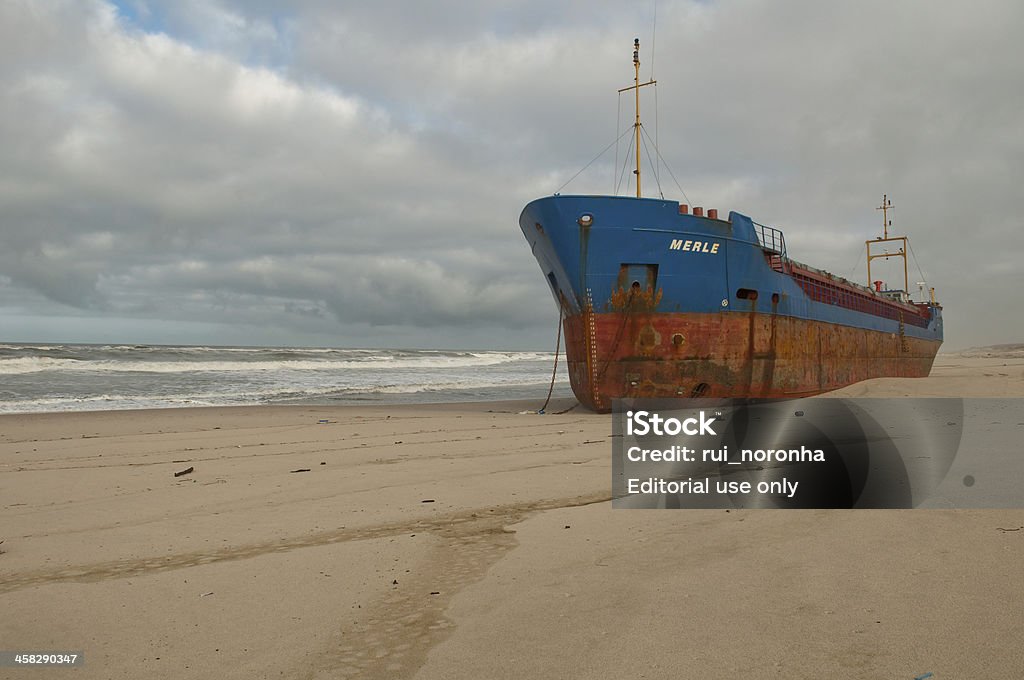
x: 351, y: 173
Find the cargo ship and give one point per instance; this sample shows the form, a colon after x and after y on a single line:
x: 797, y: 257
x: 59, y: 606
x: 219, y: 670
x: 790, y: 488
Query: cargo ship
x: 660, y: 300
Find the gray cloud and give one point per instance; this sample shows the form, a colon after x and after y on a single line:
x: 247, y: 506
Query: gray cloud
x: 352, y: 174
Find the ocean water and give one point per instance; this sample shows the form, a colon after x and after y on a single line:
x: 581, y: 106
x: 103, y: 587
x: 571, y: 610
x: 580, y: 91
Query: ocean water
x: 53, y: 377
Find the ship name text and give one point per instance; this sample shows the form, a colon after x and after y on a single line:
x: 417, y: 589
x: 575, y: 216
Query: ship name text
x: 694, y: 246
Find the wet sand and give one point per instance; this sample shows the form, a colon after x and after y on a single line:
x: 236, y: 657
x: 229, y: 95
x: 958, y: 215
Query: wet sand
x: 470, y: 541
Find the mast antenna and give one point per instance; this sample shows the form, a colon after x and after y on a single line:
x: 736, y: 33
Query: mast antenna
x: 886, y: 222
x: 636, y: 125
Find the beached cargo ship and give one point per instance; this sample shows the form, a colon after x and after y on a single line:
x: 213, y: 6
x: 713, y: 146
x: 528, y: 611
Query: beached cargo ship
x: 658, y: 300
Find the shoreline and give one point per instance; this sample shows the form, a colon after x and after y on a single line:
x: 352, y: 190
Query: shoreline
x: 503, y: 405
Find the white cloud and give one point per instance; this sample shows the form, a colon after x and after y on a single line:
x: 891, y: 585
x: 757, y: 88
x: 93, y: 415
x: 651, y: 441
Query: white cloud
x: 340, y: 171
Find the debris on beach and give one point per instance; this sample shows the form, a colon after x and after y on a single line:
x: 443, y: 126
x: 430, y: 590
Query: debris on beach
x: 300, y: 470
x: 187, y: 471
x: 427, y: 500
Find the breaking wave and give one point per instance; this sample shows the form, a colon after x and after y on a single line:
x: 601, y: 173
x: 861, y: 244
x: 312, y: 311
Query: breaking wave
x: 40, y: 377
x: 39, y: 364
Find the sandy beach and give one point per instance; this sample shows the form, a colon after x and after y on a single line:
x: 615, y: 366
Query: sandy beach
x: 471, y: 541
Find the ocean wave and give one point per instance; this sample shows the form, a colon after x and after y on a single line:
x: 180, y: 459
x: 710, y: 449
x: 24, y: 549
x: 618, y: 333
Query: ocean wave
x: 34, y: 364
x: 278, y: 394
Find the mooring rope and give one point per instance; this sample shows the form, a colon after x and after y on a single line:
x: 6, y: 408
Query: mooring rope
x: 554, y: 369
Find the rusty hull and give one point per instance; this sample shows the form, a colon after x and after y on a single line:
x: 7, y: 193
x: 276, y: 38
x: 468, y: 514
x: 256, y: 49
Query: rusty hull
x: 728, y: 354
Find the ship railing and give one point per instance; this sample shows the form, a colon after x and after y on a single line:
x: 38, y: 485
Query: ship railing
x: 771, y: 239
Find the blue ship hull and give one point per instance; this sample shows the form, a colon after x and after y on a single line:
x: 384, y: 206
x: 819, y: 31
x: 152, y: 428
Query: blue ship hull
x: 659, y: 302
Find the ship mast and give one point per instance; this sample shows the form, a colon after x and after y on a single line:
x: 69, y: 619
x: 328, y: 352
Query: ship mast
x: 886, y: 205
x: 636, y: 125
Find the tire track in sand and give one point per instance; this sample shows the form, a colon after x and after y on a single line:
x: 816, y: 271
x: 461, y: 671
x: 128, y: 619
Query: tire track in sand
x: 468, y: 522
